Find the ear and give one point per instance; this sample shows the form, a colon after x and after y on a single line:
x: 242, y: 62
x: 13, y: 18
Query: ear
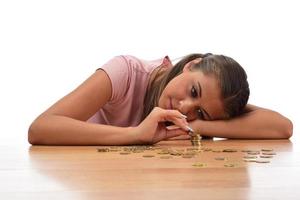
x: 188, y: 66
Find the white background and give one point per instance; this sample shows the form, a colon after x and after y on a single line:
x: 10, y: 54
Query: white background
x: 47, y: 48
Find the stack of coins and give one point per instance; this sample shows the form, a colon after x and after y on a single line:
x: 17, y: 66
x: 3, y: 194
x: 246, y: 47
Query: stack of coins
x: 195, y: 139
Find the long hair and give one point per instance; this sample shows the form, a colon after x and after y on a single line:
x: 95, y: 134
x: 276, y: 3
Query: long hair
x: 231, y: 76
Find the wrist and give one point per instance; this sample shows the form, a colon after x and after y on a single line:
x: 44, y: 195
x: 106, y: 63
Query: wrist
x: 133, y: 134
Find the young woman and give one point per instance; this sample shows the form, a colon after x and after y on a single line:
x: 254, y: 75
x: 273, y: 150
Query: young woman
x: 134, y: 101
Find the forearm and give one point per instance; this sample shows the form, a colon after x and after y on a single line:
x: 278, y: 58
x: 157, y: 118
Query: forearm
x: 259, y: 124
x: 60, y: 130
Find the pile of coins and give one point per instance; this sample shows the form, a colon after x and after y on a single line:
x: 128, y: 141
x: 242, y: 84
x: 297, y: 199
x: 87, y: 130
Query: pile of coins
x: 196, y: 139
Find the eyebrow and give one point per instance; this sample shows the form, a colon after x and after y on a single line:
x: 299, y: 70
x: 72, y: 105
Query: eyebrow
x: 200, y: 94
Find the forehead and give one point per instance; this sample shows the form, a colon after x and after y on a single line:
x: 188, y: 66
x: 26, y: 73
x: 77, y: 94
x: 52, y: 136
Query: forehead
x: 210, y: 99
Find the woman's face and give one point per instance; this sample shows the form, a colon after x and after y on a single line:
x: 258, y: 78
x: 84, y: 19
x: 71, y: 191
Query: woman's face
x: 193, y: 94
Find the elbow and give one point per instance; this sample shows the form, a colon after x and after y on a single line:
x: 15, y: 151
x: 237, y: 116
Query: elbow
x: 288, y: 132
x: 286, y: 129
x: 33, y: 134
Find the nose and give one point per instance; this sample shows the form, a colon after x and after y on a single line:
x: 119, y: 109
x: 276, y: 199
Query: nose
x: 186, y: 107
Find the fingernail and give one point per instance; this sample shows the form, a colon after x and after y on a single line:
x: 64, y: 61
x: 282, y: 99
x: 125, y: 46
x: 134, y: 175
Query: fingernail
x: 183, y: 116
x: 189, y: 129
x: 173, y: 127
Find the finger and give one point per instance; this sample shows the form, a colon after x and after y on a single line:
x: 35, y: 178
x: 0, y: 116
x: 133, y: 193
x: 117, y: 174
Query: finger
x: 182, y: 124
x: 165, y: 114
x: 175, y: 133
x: 173, y: 127
x: 181, y: 137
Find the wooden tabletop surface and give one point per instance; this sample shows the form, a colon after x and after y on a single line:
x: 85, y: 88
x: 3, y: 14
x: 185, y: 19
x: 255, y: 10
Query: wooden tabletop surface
x: 81, y: 172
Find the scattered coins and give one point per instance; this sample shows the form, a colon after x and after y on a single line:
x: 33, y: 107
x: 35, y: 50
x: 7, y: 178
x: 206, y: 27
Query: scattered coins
x: 197, y: 151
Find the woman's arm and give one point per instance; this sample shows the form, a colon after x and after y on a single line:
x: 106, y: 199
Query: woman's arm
x: 64, y: 123
x: 255, y: 123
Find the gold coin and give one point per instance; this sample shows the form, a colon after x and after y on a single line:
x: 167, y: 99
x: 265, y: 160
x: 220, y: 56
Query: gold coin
x: 268, y: 153
x: 266, y: 149
x: 199, y: 164
x: 125, y: 153
x: 207, y: 149
x: 249, y: 160
x: 253, y: 152
x: 148, y: 156
x: 220, y: 158
x: 103, y: 149
x: 266, y: 156
x: 250, y: 157
x: 230, y: 165
x: 262, y: 161
x: 166, y: 157
x: 114, y: 150
x: 229, y: 150
x: 187, y: 156
x: 246, y: 150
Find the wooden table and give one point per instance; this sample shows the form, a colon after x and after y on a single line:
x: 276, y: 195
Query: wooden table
x: 80, y: 172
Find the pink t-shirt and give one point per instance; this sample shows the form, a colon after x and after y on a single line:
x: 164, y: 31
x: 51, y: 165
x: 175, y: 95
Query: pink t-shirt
x: 129, y: 78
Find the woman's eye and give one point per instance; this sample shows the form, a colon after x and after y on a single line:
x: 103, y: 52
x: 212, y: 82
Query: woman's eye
x: 194, y: 92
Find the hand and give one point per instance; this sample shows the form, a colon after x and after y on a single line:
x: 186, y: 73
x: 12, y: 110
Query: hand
x: 153, y: 129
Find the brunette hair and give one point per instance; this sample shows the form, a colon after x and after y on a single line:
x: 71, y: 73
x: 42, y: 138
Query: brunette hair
x: 231, y: 76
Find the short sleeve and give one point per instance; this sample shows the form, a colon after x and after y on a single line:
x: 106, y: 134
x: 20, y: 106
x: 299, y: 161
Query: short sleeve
x: 117, y: 70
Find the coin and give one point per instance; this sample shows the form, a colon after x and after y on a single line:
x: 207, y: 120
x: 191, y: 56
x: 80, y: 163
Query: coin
x: 262, y: 161
x: 187, y: 156
x: 266, y: 156
x: 199, y: 165
x: 148, y: 156
x: 207, y: 149
x: 253, y: 152
x: 229, y: 150
x: 230, y: 165
x: 266, y: 149
x: 249, y: 160
x: 125, y: 152
x: 220, y: 158
x: 166, y: 157
x: 103, y: 149
x: 246, y: 150
x: 268, y: 153
x: 250, y: 157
